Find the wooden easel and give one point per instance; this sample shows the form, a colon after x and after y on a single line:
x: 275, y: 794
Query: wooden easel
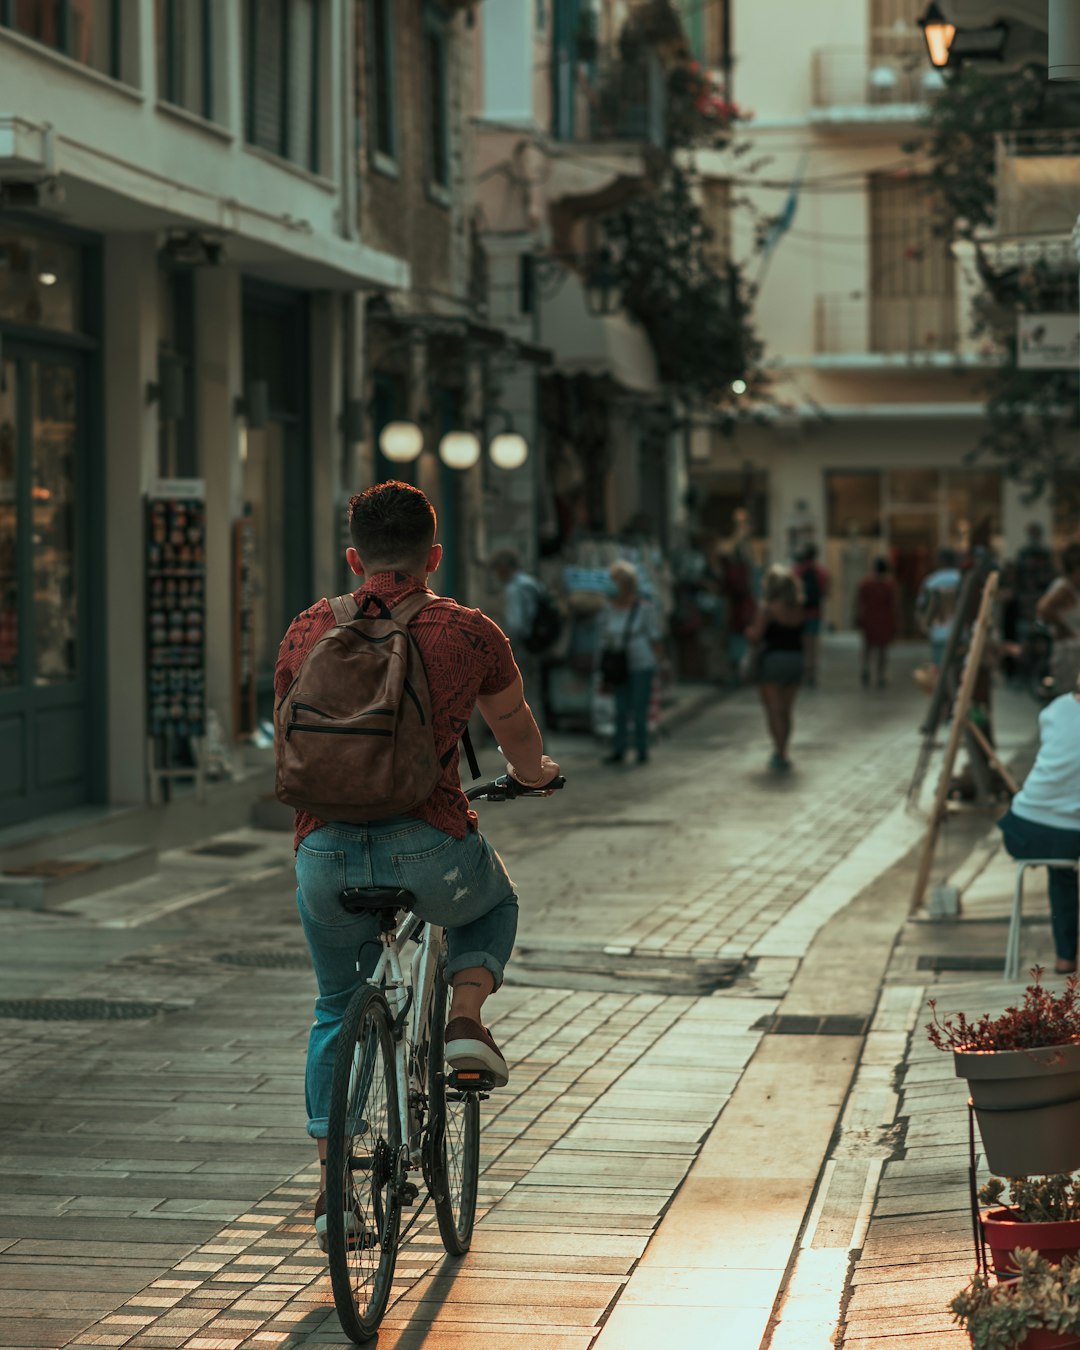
x: 959, y: 725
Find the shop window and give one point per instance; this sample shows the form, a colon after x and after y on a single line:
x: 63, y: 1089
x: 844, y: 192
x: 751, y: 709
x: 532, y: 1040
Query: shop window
x: 283, y: 57
x: 436, y: 63
x: 382, y: 108
x: 40, y: 282
x: 185, y: 55
x: 86, y: 30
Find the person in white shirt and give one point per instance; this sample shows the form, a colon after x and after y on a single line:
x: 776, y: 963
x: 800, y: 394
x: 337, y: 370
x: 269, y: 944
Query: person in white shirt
x: 935, y: 607
x: 521, y: 599
x: 1044, y: 819
x: 630, y: 627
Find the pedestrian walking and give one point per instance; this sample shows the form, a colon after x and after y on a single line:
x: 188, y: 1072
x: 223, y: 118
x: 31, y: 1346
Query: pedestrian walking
x: 1044, y: 819
x: 432, y: 847
x: 814, y: 581
x: 777, y: 631
x: 1034, y: 574
x: 630, y: 652
x: 1059, y: 609
x: 935, y: 605
x: 533, y: 624
x: 877, y: 617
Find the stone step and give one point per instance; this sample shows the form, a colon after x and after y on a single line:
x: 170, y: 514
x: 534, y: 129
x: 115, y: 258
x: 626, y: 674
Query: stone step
x: 99, y: 867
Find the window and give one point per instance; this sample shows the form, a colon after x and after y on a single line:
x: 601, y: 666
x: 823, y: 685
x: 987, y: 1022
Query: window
x: 380, y: 74
x: 185, y: 70
x: 40, y: 282
x: 438, y: 102
x: 86, y: 30
x: 912, y: 274
x: 283, y: 53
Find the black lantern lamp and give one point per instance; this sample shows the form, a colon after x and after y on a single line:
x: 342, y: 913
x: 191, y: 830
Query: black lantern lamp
x: 939, y: 34
x: 602, y: 291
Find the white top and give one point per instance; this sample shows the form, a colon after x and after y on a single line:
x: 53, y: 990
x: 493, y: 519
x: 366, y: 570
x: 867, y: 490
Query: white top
x: 644, y: 631
x: 1051, y: 791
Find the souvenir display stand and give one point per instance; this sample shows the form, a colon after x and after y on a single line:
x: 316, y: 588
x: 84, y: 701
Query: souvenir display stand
x: 176, y: 635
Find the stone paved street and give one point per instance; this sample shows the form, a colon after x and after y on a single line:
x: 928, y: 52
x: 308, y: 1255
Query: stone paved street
x: 647, y: 1175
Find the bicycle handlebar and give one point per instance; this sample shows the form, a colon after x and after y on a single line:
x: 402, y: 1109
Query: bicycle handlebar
x: 506, y: 789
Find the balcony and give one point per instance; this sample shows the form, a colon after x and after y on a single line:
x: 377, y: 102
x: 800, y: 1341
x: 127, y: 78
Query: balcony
x: 609, y: 101
x: 886, y: 330
x: 1038, y: 183
x: 888, y: 85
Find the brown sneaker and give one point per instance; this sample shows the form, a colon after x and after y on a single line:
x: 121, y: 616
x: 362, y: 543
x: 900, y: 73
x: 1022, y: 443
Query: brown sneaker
x: 470, y: 1046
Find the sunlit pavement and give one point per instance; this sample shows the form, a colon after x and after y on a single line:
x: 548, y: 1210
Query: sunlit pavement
x: 157, y: 1181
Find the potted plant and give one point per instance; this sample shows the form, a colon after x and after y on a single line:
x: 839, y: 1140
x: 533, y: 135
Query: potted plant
x: 1043, y: 1214
x: 1023, y: 1073
x: 1038, y: 1310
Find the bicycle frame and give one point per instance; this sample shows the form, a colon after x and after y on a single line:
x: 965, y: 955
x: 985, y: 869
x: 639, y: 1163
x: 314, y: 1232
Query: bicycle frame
x: 389, y: 977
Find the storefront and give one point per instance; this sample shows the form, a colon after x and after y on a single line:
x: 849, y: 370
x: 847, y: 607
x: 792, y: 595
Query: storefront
x: 51, y: 523
x: 276, y: 466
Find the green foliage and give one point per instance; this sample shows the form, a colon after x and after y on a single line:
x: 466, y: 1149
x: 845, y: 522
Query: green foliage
x: 1027, y: 410
x: 1043, y: 1296
x: 1036, y: 1199
x: 695, y: 308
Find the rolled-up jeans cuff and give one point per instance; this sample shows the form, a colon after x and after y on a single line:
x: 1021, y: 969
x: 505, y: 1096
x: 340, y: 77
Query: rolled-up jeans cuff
x: 318, y: 1129
x: 470, y: 961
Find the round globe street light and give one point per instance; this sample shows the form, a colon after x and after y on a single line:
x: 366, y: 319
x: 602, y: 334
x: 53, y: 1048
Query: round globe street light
x: 401, y: 442
x: 508, y: 450
x: 939, y: 34
x: 602, y: 291
x: 738, y: 387
x: 459, y: 449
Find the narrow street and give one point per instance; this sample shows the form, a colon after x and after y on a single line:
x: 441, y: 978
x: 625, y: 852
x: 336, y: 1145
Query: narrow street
x: 676, y: 923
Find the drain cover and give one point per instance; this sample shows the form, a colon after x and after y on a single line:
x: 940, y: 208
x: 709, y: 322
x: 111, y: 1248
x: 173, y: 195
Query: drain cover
x: 266, y: 959
x: 617, y: 972
x: 961, y: 962
x: 51, y: 870
x: 76, y: 1009
x: 227, y: 848
x: 813, y: 1024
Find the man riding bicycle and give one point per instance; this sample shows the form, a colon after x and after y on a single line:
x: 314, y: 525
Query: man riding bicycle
x: 436, y: 851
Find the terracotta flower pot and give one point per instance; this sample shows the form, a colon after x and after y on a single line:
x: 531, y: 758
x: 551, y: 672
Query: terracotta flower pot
x: 1027, y: 1104
x: 1005, y: 1232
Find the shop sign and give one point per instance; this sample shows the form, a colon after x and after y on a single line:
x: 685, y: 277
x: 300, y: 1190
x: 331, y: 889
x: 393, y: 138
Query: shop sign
x: 1048, y: 341
x: 178, y: 489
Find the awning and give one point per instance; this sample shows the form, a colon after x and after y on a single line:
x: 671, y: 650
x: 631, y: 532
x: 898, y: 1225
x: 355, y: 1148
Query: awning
x: 615, y: 346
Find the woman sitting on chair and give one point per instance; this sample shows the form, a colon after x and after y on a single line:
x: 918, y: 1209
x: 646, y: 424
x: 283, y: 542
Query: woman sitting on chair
x: 1044, y: 819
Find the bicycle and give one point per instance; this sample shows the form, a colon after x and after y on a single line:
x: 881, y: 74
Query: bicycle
x: 395, y: 1109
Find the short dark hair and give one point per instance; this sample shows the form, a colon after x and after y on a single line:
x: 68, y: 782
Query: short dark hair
x: 392, y: 523
x: 881, y: 566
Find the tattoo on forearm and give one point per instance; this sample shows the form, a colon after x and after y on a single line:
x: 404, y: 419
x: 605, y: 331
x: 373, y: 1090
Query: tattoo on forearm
x: 505, y: 717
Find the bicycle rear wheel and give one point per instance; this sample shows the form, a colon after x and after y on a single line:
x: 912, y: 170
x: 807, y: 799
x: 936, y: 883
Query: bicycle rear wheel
x: 363, y: 1145
x: 453, y: 1137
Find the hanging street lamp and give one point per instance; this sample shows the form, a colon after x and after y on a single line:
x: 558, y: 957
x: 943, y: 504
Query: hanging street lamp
x: 459, y: 449
x: 508, y: 450
x: 401, y: 442
x: 938, y: 33
x: 603, y: 295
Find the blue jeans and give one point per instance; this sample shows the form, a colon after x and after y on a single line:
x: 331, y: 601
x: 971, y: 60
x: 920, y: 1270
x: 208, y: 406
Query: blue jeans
x: 632, y: 701
x: 460, y: 884
x: 1025, y: 839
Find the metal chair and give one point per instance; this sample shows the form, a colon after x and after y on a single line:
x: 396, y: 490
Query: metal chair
x: 1012, y: 944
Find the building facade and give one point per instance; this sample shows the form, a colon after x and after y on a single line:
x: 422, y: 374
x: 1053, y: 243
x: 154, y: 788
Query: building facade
x: 181, y: 256
x: 864, y: 309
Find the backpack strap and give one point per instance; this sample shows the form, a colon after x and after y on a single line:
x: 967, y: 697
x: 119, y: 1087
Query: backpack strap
x: 406, y: 610
x: 343, y: 608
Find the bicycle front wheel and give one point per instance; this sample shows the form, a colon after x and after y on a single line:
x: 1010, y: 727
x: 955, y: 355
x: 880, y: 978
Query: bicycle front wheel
x: 363, y: 1147
x: 453, y: 1137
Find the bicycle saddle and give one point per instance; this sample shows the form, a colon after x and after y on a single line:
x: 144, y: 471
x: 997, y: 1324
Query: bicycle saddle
x: 375, y: 899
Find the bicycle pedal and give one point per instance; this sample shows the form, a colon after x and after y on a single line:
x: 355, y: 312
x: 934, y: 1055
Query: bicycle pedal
x: 410, y: 1193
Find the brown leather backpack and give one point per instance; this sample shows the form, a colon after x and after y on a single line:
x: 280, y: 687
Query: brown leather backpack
x: 353, y: 734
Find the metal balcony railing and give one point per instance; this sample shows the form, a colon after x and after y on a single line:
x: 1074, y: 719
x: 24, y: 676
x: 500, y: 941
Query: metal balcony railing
x: 1038, y: 181
x: 609, y: 99
x: 878, y: 325
x: 853, y: 77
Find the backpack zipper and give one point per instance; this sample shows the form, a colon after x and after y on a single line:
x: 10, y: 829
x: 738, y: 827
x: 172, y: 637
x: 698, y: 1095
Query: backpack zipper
x: 371, y: 712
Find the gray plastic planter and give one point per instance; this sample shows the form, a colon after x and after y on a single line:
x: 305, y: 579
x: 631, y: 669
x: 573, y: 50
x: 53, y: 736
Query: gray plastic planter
x: 1027, y: 1103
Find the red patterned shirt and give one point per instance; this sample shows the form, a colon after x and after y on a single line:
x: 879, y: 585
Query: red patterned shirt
x: 466, y: 656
